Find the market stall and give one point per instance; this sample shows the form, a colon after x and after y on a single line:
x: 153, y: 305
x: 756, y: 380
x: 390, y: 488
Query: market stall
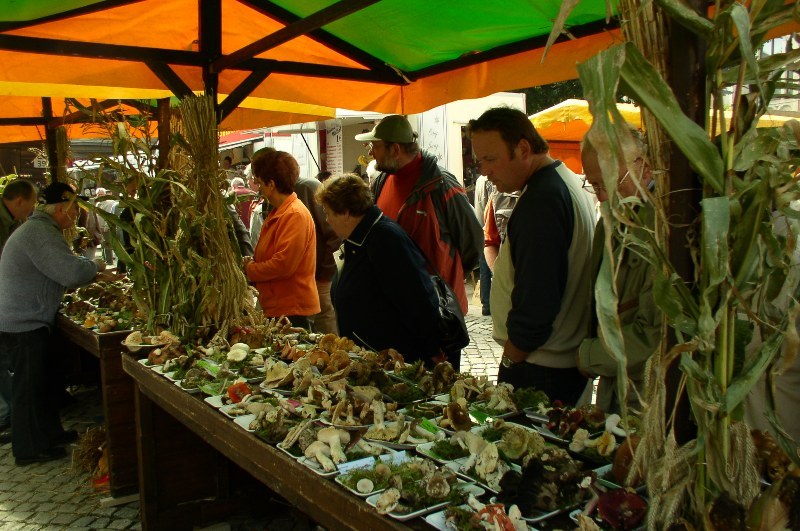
x: 187, y: 452
x: 117, y: 389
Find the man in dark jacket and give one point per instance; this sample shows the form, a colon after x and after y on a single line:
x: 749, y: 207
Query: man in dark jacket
x: 428, y: 202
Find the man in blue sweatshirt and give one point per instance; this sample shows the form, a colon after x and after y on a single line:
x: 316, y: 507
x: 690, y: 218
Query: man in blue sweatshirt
x: 36, y: 267
x: 540, y: 291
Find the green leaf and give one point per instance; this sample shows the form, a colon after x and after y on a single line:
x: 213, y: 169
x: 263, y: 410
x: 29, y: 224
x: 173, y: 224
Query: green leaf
x: 686, y: 17
x: 558, y: 24
x: 642, y: 82
x: 741, y: 385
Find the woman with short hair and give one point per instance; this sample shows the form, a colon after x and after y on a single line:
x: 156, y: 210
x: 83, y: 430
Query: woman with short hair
x: 284, y: 261
x: 383, y: 295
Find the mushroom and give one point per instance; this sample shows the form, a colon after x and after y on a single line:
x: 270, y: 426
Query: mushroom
x: 457, y: 414
x: 236, y: 355
x: 365, y: 485
x: 514, y: 442
x: 579, y: 440
x: 378, y: 410
x: 605, y: 444
x: 335, y: 438
x: 387, y: 501
x: 487, y: 461
x: 382, y: 471
x: 241, y: 346
x: 320, y: 451
x: 612, y: 425
x: 437, y: 487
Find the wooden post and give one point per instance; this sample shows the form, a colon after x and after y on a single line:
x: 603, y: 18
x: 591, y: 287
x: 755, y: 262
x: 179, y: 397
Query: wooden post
x: 50, y: 140
x: 211, y: 46
x: 687, y: 78
x: 164, y: 115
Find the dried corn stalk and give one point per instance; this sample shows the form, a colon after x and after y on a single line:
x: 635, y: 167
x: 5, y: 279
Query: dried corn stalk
x: 203, y: 237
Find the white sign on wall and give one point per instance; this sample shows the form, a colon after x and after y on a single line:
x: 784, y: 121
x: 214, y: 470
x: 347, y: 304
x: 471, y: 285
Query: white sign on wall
x: 333, y: 147
x: 40, y: 162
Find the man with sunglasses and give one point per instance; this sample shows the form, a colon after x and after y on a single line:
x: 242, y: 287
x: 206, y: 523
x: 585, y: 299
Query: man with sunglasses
x: 36, y: 267
x: 639, y: 317
x: 428, y: 202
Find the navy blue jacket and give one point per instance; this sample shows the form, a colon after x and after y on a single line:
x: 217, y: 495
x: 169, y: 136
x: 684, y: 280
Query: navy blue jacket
x: 383, y: 295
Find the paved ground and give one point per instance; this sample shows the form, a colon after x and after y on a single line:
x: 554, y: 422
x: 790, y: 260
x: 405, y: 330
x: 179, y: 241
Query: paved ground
x: 54, y: 496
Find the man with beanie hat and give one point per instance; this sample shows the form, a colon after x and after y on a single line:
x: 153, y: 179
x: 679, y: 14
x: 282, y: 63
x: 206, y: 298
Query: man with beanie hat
x: 428, y: 202
x: 36, y: 267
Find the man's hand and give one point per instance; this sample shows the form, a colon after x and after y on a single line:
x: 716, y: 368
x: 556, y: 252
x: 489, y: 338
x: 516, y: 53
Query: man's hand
x: 108, y: 276
x: 513, y: 353
x: 101, y: 264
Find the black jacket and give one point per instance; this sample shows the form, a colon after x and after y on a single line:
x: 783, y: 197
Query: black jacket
x: 383, y: 295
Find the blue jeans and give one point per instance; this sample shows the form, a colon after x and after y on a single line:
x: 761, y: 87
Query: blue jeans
x: 34, y: 414
x: 486, y: 281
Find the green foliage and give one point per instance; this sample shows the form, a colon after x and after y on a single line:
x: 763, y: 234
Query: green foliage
x: 732, y: 323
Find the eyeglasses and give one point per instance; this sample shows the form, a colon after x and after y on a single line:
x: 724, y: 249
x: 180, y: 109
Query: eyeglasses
x: 588, y: 187
x: 594, y: 189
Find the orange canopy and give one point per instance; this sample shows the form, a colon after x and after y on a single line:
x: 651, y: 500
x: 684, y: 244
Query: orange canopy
x: 389, y: 56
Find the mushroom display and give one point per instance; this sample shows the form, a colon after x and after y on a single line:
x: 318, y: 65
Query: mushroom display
x: 335, y: 438
x: 320, y: 451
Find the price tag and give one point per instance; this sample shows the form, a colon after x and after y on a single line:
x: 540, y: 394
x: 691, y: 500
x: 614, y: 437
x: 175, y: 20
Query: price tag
x: 366, y: 462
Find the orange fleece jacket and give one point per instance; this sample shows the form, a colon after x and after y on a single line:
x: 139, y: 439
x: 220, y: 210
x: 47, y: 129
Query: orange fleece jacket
x: 284, y: 263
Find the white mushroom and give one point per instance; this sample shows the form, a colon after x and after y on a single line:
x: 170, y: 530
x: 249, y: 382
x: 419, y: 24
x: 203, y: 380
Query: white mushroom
x: 378, y: 410
x: 387, y: 501
x: 335, y: 438
x: 579, y: 440
x: 241, y: 346
x: 365, y: 485
x: 320, y: 451
x: 236, y: 355
x: 487, y: 461
x: 612, y: 425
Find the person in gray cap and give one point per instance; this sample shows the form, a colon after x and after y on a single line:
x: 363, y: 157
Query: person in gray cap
x: 428, y: 202
x: 36, y: 267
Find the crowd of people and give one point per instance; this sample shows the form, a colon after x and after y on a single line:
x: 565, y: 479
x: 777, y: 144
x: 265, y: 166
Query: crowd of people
x: 335, y: 254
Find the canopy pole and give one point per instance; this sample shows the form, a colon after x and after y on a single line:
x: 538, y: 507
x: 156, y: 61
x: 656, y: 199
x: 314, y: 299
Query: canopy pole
x: 210, y: 37
x: 687, y: 79
x: 50, y: 139
x: 164, y: 114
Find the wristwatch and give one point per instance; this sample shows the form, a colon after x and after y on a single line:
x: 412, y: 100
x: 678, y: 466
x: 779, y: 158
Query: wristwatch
x: 506, y: 362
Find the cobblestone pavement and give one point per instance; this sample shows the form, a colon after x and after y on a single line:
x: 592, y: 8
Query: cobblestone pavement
x: 54, y: 496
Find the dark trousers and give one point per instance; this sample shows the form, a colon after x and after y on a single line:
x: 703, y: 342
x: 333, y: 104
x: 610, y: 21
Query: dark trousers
x: 486, y: 282
x: 34, y: 414
x: 566, y: 385
x: 5, y: 397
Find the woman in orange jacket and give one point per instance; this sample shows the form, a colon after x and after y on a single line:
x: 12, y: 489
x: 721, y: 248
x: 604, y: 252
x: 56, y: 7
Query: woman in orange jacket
x: 283, y: 265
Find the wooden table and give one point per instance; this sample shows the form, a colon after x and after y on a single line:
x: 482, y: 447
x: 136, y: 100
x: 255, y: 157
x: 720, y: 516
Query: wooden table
x: 191, y: 459
x: 118, y: 408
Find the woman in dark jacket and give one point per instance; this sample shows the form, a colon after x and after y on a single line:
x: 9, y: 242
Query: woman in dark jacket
x: 383, y: 294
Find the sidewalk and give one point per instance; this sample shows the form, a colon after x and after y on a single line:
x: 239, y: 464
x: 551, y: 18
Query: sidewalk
x: 53, y: 496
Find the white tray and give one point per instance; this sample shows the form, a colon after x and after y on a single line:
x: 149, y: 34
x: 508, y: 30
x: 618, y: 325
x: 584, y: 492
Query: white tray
x: 192, y: 391
x: 214, y: 401
x: 475, y: 490
x: 438, y: 520
x: 144, y: 362
x: 244, y: 422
